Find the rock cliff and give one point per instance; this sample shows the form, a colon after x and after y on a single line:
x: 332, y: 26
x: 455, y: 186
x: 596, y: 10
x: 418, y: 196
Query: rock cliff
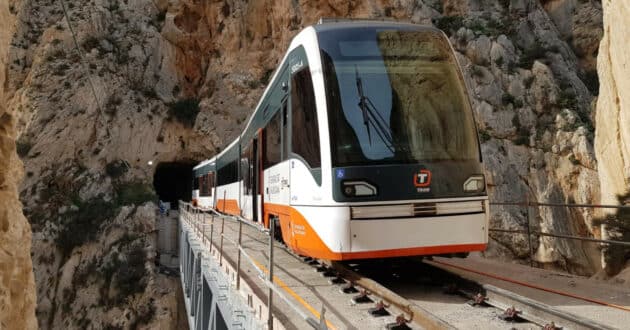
x: 612, y: 138
x: 17, y: 286
x: 99, y: 89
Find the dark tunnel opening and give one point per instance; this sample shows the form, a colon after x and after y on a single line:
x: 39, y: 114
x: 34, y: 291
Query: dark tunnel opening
x: 173, y: 181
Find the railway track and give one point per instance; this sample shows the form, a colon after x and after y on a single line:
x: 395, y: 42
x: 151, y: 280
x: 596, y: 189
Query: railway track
x: 386, y: 281
x: 399, y: 283
x: 412, y: 293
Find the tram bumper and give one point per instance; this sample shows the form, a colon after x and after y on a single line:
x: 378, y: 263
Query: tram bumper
x: 384, y: 238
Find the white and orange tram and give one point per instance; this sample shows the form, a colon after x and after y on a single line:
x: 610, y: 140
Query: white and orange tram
x: 363, y: 146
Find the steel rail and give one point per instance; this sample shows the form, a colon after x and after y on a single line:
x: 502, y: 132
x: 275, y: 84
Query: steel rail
x: 418, y: 314
x: 533, y: 311
x: 537, y: 312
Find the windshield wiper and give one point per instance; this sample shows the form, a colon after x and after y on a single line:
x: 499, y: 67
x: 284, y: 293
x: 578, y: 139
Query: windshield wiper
x: 372, y: 116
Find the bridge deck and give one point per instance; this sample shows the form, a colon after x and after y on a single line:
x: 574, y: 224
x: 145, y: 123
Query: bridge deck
x: 306, y: 288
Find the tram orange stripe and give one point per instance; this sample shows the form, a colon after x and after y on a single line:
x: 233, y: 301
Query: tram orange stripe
x: 310, y: 244
x: 424, y: 250
x: 229, y: 206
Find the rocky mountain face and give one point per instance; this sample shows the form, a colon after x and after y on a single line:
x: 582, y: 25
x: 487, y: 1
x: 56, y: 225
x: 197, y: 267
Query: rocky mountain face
x: 612, y: 138
x: 17, y: 286
x: 101, y: 89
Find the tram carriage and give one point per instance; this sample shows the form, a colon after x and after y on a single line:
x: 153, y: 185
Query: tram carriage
x: 362, y: 146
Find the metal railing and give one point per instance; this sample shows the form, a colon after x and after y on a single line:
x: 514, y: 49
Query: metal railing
x: 530, y: 233
x: 196, y: 217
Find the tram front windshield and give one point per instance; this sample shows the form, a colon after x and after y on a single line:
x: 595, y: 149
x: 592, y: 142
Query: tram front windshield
x: 395, y: 96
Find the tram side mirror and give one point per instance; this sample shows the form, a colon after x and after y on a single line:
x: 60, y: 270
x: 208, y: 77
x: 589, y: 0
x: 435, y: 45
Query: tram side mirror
x: 285, y: 87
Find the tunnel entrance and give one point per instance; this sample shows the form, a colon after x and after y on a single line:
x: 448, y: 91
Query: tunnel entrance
x: 172, y: 181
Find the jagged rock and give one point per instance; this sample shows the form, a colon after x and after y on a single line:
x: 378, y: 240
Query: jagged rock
x: 478, y: 50
x: 612, y: 135
x: 544, y: 88
x: 580, y: 24
x: 17, y: 286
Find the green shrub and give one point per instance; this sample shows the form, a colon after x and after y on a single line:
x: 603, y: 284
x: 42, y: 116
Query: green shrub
x: 90, y: 43
x: 484, y: 136
x: 449, y: 24
x: 60, y: 70
x: 185, y: 111
x: 116, y: 169
x: 82, y: 225
x: 590, y: 80
x: 566, y: 99
x: 253, y: 84
x: 161, y: 16
x: 111, y: 107
x: 507, y: 98
x: 530, y: 55
x: 618, y: 225
x: 437, y: 5
x: 130, y: 275
x: 23, y: 146
x: 521, y: 140
x: 529, y: 81
x: 134, y: 193
x: 476, y: 71
x: 266, y: 76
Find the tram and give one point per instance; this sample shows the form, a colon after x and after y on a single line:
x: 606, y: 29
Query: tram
x: 362, y: 146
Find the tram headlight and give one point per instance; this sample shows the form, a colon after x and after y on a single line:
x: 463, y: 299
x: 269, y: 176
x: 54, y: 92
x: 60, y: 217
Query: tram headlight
x: 476, y: 183
x: 358, y: 189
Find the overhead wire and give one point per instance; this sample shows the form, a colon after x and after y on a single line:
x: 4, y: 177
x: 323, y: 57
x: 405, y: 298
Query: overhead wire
x: 81, y: 55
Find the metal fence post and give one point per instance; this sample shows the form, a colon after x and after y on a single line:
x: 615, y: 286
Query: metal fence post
x: 221, y: 242
x: 238, y: 257
x: 270, y: 294
x: 529, y: 233
x: 211, y: 232
x: 203, y: 229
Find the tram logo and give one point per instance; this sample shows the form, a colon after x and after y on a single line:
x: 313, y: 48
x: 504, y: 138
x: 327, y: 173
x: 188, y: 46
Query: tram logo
x: 422, y: 180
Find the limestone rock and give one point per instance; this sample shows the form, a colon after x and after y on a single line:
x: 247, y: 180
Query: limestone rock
x: 612, y: 134
x: 544, y: 88
x: 17, y: 287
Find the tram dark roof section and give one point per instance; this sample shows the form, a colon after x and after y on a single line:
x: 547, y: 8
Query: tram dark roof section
x: 327, y: 24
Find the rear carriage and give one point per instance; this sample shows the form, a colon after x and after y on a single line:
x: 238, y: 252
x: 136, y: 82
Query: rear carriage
x: 362, y: 146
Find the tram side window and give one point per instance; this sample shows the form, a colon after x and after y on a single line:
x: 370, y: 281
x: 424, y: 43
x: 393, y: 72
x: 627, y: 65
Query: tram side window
x: 200, y: 185
x: 247, y: 169
x: 273, y: 141
x: 228, y: 173
x: 207, y: 182
x: 305, y: 137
